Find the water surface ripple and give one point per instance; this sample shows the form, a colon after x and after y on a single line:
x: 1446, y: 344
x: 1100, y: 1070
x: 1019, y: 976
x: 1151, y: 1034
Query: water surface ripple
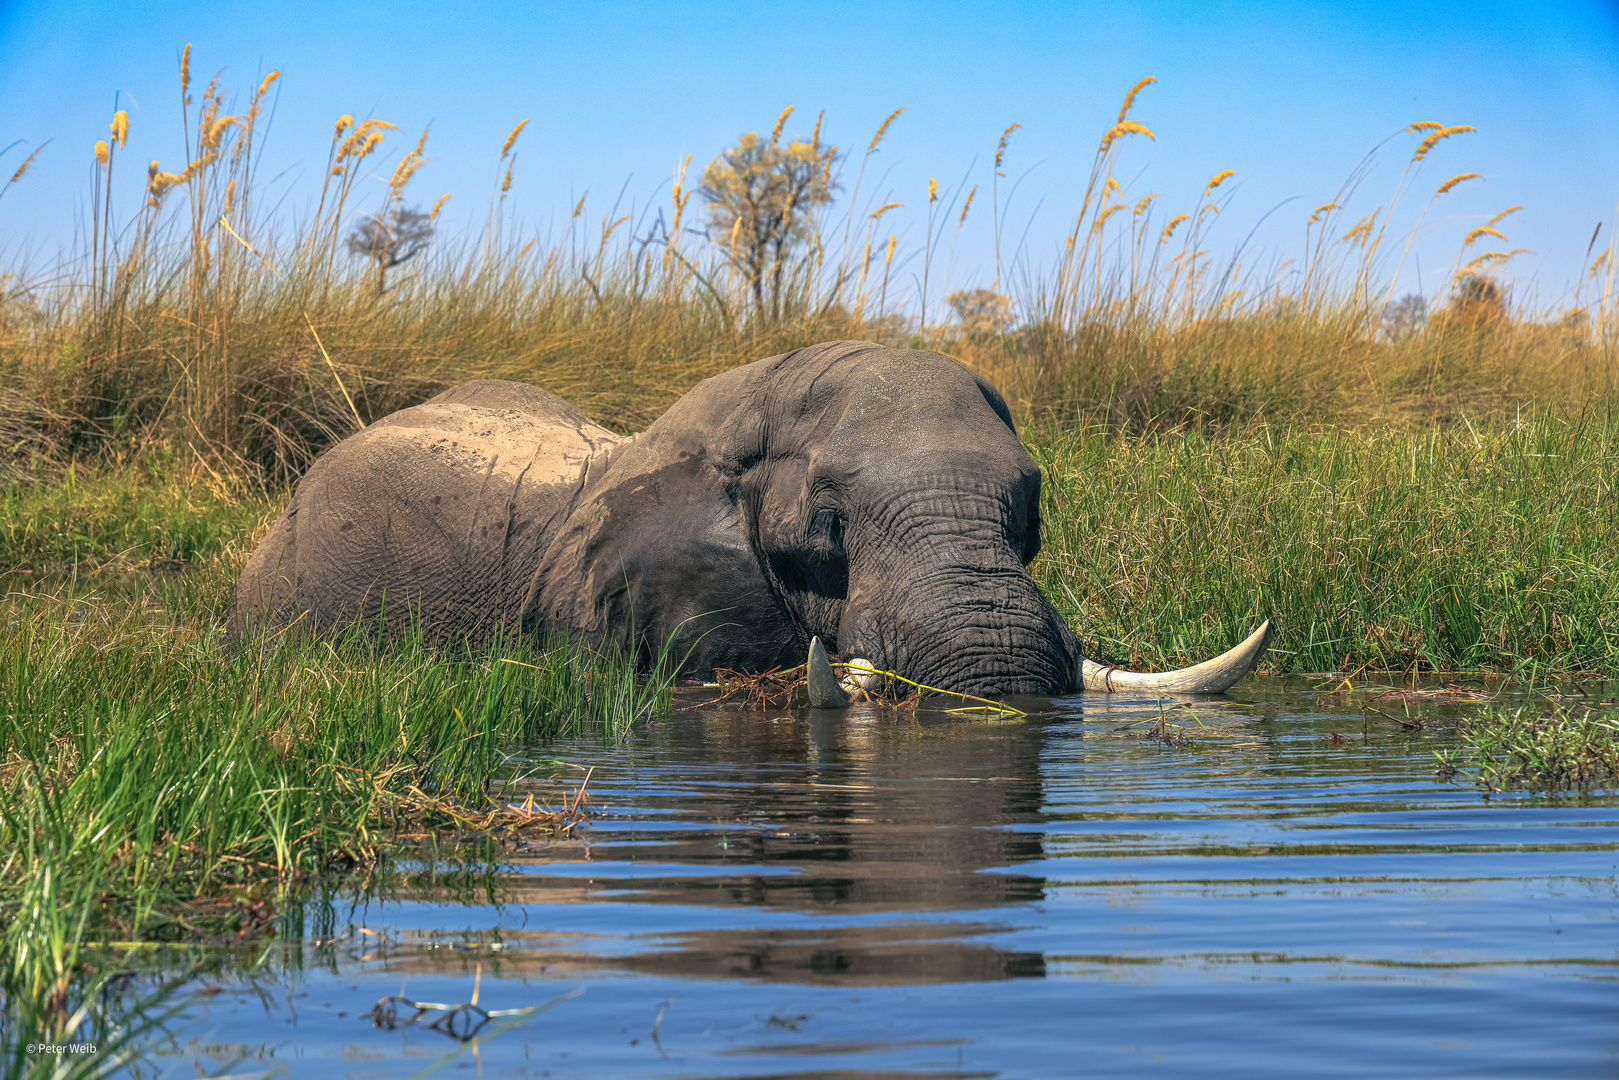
x: 792, y: 894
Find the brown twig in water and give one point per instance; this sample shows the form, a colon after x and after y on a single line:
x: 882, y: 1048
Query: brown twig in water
x: 458, y: 1020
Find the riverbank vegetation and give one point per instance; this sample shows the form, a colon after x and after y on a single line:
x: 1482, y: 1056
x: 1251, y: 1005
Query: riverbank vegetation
x: 1567, y: 745
x: 155, y: 788
x: 1416, y: 485
x: 199, y: 320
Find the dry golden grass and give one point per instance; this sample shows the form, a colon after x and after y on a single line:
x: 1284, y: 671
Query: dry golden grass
x: 252, y: 342
x: 1457, y: 179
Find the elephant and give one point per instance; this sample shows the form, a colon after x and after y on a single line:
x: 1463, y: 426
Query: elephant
x: 847, y: 494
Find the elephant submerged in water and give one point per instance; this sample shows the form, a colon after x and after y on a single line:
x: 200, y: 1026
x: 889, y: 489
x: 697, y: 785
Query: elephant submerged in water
x: 872, y: 498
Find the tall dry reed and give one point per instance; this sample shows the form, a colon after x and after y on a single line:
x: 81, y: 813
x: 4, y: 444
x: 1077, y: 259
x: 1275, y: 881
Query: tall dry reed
x: 205, y: 322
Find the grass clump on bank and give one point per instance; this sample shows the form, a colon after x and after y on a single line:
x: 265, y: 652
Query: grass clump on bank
x: 143, y: 770
x: 1568, y: 747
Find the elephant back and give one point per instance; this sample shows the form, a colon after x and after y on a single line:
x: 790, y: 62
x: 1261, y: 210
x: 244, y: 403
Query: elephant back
x: 434, y: 516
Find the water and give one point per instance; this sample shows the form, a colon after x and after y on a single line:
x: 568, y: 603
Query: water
x: 782, y: 894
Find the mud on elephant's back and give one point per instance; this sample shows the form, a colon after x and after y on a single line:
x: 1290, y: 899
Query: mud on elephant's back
x: 433, y: 516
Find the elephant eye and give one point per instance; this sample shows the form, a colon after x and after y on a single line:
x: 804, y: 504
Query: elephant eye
x: 827, y: 526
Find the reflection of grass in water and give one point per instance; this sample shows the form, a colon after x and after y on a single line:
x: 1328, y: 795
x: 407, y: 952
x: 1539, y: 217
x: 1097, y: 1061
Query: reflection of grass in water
x: 1569, y: 747
x: 154, y: 788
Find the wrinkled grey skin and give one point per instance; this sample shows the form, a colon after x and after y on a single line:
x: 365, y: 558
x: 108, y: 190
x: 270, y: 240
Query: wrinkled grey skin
x: 877, y: 498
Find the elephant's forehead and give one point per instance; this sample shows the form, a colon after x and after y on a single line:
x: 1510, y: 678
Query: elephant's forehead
x: 935, y: 410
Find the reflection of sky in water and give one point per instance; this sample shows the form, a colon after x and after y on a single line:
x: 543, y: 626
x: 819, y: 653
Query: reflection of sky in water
x: 948, y: 898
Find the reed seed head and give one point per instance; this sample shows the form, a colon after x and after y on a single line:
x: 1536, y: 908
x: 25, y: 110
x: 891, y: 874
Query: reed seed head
x: 1130, y: 98
x: 1601, y: 261
x: 195, y: 167
x: 933, y: 190
x: 1362, y: 230
x: 1481, y: 232
x: 680, y: 179
x: 1000, y: 148
x: 27, y: 161
x: 579, y: 207
x: 1424, y: 125
x: 160, y: 183
x: 101, y: 151
x: 506, y: 182
x: 893, y: 241
x: 185, y: 69
x: 1504, y: 213
x: 216, y: 132
x: 1111, y: 187
x: 1457, y: 179
x: 1124, y: 127
x: 1169, y: 230
x: 342, y: 125
x: 775, y: 132
x: 1146, y: 201
x: 268, y: 79
x: 506, y: 147
x: 883, y: 127
x: 885, y: 208
x: 815, y: 136
x: 421, y: 142
x: 404, y: 171
x: 1322, y: 209
x: 1104, y: 214
x: 364, y: 138
x: 1433, y: 140
x: 966, y: 206
x: 230, y: 197
x: 120, y: 127
x: 1489, y: 259
x: 1219, y: 178
x: 442, y: 199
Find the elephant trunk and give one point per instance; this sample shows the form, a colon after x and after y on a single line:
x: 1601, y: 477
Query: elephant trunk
x: 974, y: 625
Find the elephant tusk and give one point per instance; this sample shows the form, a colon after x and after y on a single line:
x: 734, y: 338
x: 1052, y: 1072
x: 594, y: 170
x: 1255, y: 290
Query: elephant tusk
x: 1209, y: 677
x: 824, y: 691
x: 860, y: 674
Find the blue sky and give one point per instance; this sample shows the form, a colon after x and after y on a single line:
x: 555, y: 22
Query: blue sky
x: 1290, y: 95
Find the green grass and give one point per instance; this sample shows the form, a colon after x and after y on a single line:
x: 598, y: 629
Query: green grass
x: 155, y: 788
x: 150, y: 516
x: 1466, y: 548
x: 1565, y: 747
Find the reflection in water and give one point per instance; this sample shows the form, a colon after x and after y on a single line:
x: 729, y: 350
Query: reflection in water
x: 872, y: 894
x: 846, y: 816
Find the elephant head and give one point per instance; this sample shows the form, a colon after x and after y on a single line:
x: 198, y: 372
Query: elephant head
x: 876, y: 499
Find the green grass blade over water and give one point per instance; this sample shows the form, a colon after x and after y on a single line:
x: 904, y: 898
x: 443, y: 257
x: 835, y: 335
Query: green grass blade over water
x: 144, y: 767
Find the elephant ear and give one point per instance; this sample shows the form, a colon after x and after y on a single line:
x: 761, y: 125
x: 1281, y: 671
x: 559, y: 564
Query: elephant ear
x: 657, y: 554
x: 1031, y: 530
x: 997, y: 403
